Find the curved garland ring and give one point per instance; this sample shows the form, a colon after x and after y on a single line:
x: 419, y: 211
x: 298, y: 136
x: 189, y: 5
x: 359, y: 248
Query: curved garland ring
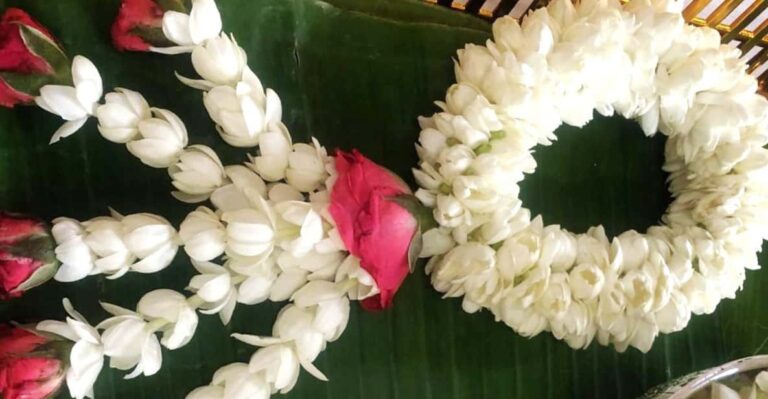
x: 641, y: 61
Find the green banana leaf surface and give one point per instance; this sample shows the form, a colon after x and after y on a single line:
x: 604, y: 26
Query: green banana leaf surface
x: 354, y: 74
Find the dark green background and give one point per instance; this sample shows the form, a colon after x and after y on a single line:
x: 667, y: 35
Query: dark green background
x: 354, y: 74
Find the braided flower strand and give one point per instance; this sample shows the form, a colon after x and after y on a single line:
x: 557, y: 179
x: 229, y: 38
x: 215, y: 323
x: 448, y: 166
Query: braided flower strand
x: 292, y: 223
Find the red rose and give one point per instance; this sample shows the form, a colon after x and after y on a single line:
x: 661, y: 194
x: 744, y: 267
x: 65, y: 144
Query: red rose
x: 15, y: 227
x: 14, y: 54
x: 10, y: 96
x: 19, y: 57
x: 31, y: 378
x: 13, y: 272
x: 16, y: 341
x: 139, y: 24
x: 26, y: 255
x: 29, y: 369
x: 372, y: 224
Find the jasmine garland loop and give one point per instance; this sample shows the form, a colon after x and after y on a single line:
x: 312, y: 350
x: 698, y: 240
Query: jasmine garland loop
x: 640, y: 61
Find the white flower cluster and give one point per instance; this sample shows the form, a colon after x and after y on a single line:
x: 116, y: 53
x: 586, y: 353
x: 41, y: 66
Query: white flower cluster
x: 318, y: 315
x: 234, y: 97
x: 75, y: 104
x: 246, y: 114
x: 158, y: 137
x: 189, y: 30
x: 273, y: 243
x: 276, y: 245
x: 127, y: 338
x: 113, y: 245
x: 155, y: 136
x: 641, y: 61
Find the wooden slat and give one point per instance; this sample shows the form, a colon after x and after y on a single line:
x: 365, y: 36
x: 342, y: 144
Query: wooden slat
x: 721, y: 12
x: 758, y: 61
x: 693, y: 9
x: 738, y: 26
x: 741, y: 11
x: 521, y: 7
x: 711, y: 7
x: 757, y: 38
x: 489, y: 8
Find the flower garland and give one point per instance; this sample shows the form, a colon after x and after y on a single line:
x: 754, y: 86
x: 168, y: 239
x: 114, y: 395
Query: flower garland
x: 278, y: 240
x: 292, y: 224
x: 296, y: 224
x: 638, y: 60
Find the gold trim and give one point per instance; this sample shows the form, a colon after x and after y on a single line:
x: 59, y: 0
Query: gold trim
x: 758, y: 60
x: 460, y: 5
x: 693, y: 9
x: 758, y: 38
x: 739, y: 27
x: 722, y: 12
x: 489, y: 8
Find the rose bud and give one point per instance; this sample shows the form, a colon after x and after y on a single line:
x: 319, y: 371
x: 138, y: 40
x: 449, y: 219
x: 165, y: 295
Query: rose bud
x: 29, y: 58
x: 139, y: 23
x: 378, y: 221
x: 30, y: 364
x: 27, y: 256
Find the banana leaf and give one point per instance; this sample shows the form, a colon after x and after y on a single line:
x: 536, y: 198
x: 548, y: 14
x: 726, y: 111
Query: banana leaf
x: 354, y: 74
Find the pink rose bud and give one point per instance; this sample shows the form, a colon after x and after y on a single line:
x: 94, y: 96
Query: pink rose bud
x: 139, y: 23
x: 30, y: 364
x: 367, y: 204
x: 27, y: 256
x: 29, y: 58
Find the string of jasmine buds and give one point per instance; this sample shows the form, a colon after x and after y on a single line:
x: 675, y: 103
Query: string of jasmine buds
x: 318, y: 315
x: 113, y: 245
x: 127, y: 338
x: 233, y: 95
x: 246, y: 114
x: 158, y: 137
